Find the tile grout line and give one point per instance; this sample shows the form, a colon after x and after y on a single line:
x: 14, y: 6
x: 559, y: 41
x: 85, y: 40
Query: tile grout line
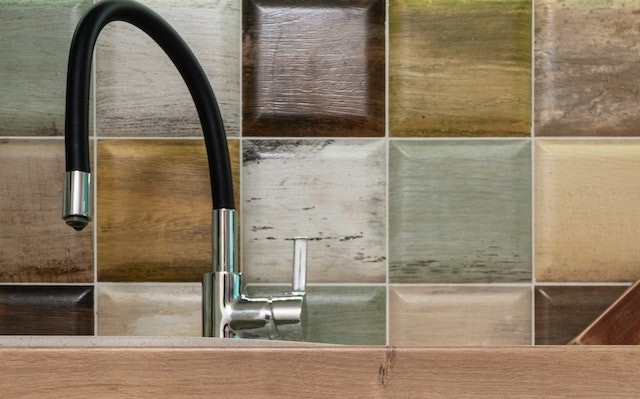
x: 95, y: 193
x: 532, y: 175
x: 387, y: 314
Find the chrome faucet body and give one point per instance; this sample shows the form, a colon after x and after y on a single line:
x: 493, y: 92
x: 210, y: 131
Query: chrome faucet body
x: 226, y: 311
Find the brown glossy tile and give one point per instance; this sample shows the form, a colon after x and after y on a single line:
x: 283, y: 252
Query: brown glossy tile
x: 587, y: 198
x: 562, y: 311
x: 459, y: 316
x: 139, y: 92
x: 154, y: 209
x: 35, y: 244
x: 46, y: 310
x: 587, y: 70
x: 313, y: 68
x: 459, y: 68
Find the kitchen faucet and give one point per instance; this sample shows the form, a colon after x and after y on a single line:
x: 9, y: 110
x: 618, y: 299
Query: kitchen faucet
x: 227, y: 311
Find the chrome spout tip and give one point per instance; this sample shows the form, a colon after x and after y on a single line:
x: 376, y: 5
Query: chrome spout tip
x: 77, y: 222
x: 77, y: 199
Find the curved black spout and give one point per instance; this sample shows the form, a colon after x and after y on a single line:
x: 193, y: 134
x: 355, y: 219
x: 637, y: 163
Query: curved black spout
x: 78, y: 83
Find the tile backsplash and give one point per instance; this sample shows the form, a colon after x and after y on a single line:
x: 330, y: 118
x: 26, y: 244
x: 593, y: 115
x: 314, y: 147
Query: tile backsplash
x: 445, y: 203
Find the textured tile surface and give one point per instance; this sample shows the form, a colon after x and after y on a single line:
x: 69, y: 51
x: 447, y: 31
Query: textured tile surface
x: 313, y: 68
x: 459, y: 211
x: 563, y: 312
x: 459, y: 316
x: 587, y: 68
x: 35, y: 244
x: 331, y: 191
x: 154, y: 209
x: 459, y: 68
x: 34, y: 43
x: 150, y: 309
x: 46, y: 310
x: 141, y: 93
x: 341, y: 315
x: 587, y: 207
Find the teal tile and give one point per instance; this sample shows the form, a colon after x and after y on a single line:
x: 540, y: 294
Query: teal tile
x: 460, y: 211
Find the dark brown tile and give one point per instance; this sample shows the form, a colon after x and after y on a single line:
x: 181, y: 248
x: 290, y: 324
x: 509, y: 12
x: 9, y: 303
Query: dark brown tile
x: 313, y: 68
x: 46, y: 310
x: 563, y: 311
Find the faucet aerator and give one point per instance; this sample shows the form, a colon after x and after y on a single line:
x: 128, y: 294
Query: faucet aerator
x: 77, y: 222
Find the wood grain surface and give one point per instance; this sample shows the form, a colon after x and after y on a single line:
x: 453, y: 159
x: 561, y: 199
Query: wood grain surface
x: 368, y: 372
x: 313, y: 68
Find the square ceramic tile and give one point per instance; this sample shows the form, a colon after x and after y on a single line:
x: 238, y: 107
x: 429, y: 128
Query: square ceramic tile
x: 35, y: 243
x: 330, y: 191
x: 46, y: 310
x: 313, y: 67
x: 587, y: 68
x: 34, y: 43
x: 348, y: 315
x: 562, y: 312
x: 587, y: 207
x: 459, y: 68
x: 131, y: 309
x: 460, y: 316
x: 139, y: 90
x: 154, y: 209
x: 460, y: 211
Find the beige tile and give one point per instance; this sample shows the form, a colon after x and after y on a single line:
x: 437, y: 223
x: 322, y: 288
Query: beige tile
x: 459, y: 316
x: 587, y: 206
x: 130, y: 309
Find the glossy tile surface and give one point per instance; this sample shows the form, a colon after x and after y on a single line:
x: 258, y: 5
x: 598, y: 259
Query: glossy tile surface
x: 587, y: 68
x: 459, y: 211
x: 154, y: 209
x: 330, y: 191
x: 459, y: 316
x: 34, y: 43
x: 35, y: 244
x: 131, y: 309
x: 587, y: 207
x: 46, y: 310
x: 349, y: 315
x: 141, y: 93
x: 313, y: 68
x: 459, y: 68
x: 563, y: 312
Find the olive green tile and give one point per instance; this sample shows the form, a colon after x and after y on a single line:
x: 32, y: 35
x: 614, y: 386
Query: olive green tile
x: 460, y: 211
x: 459, y: 68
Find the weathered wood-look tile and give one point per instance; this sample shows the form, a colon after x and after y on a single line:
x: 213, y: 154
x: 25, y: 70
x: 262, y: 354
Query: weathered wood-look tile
x: 587, y: 206
x: 460, y: 211
x: 459, y: 316
x: 34, y: 43
x: 46, y: 310
x: 140, y: 92
x: 459, y: 68
x: 562, y: 312
x: 313, y: 68
x: 331, y: 191
x: 131, y: 309
x: 587, y: 68
x: 154, y: 209
x: 348, y: 315
x: 35, y: 244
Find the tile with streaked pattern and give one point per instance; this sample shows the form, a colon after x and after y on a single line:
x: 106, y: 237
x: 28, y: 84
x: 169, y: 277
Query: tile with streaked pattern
x: 154, y: 209
x: 587, y: 206
x: 332, y: 191
x: 133, y: 309
x: 562, y: 312
x: 313, y: 68
x: 46, y: 310
x: 349, y: 315
x: 459, y: 316
x: 459, y: 68
x: 35, y: 244
x: 460, y: 211
x: 139, y: 90
x: 587, y: 68
x: 34, y: 42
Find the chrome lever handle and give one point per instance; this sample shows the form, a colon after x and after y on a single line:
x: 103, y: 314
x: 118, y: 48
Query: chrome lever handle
x: 299, y: 279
